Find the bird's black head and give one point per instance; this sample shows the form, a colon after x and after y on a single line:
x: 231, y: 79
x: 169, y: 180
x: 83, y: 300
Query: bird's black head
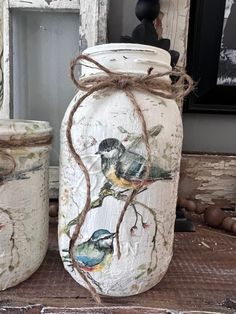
x: 111, y: 148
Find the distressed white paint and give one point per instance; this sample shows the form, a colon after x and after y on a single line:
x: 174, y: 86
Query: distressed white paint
x: 175, y: 23
x: 93, y: 27
x: 5, y: 108
x: 109, y: 114
x: 23, y: 202
x: 210, y: 179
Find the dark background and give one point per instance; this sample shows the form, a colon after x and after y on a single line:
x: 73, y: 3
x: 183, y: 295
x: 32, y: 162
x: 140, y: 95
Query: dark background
x: 205, y: 36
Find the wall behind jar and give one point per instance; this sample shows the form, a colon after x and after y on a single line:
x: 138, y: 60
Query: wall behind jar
x: 202, y: 132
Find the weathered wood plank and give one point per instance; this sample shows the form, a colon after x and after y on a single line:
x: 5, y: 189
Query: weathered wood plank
x: 107, y: 310
x: 5, y: 106
x: 173, y: 23
x: 199, y: 279
x: 119, y: 310
x: 209, y: 179
x: 174, y: 20
x: 93, y: 31
x: 96, y: 310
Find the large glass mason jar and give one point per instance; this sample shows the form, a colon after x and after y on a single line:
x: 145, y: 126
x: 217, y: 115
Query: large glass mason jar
x: 120, y: 253
x: 24, y: 152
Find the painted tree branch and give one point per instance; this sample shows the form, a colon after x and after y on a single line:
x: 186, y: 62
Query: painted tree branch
x: 107, y: 191
x: 17, y: 175
x: 126, y: 206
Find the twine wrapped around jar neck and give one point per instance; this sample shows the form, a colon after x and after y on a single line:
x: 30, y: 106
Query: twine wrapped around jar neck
x: 35, y: 141
x: 156, y: 84
x: 14, y: 143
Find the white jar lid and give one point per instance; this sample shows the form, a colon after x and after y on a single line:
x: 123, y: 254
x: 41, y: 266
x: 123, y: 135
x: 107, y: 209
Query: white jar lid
x: 131, y: 58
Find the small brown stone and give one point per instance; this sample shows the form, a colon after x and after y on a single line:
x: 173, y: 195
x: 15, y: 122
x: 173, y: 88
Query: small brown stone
x: 181, y: 201
x: 201, y: 208
x: 233, y: 228
x: 227, y: 223
x: 214, y: 216
x: 53, y: 209
x: 190, y: 205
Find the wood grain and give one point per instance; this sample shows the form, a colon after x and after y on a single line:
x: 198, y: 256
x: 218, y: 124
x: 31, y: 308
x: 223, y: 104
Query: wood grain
x: 174, y: 23
x: 201, y: 278
x: 210, y: 179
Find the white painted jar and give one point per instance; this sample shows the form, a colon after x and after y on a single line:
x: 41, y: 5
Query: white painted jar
x: 147, y: 230
x: 24, y: 152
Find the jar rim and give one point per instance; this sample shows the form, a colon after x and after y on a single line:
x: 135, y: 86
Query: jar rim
x: 29, y: 128
x: 124, y: 47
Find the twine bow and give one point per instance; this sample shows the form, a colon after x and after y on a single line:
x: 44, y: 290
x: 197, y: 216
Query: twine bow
x: 156, y: 84
x: 152, y: 83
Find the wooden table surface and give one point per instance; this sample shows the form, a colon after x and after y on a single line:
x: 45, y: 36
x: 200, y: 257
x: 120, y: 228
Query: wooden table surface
x: 201, y: 278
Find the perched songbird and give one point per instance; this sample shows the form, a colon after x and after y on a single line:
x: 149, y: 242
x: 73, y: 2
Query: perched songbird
x: 96, y: 253
x: 127, y: 169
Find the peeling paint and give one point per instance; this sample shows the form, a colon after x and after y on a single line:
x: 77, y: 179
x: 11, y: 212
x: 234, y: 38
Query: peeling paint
x: 83, y: 43
x: 209, y: 179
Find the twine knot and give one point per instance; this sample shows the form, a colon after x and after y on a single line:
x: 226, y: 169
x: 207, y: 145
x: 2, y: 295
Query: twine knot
x: 157, y: 84
x: 122, y: 82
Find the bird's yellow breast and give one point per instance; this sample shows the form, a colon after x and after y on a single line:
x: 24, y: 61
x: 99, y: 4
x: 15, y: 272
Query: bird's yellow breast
x: 104, y: 263
x: 120, y: 182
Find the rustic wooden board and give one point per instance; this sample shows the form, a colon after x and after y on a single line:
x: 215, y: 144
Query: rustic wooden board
x: 173, y: 23
x: 209, y: 179
x: 201, y: 278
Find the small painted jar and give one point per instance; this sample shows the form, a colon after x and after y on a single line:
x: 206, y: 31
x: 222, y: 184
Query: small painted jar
x: 107, y: 134
x: 24, y: 152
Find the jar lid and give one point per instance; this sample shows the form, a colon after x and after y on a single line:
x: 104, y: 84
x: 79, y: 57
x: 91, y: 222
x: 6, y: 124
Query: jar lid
x: 127, y: 58
x: 25, y: 131
x: 115, y: 47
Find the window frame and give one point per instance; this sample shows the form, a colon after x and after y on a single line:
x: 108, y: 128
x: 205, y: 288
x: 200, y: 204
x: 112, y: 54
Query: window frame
x: 92, y: 30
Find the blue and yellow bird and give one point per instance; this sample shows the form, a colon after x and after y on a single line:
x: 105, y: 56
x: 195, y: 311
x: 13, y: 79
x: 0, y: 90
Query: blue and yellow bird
x: 96, y: 253
x: 125, y: 168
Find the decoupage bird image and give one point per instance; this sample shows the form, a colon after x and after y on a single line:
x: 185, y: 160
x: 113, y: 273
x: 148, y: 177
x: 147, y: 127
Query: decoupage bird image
x: 96, y: 253
x: 125, y: 168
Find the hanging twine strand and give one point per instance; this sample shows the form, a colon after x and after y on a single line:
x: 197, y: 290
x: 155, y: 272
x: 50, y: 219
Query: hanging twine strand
x: 155, y: 84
